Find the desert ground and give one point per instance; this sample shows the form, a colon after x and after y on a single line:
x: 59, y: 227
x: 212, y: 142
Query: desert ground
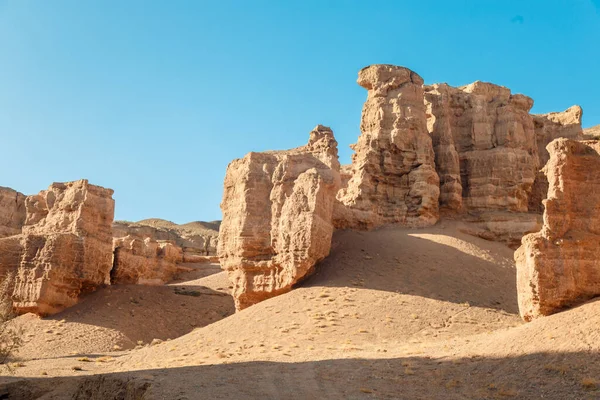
x: 393, y: 313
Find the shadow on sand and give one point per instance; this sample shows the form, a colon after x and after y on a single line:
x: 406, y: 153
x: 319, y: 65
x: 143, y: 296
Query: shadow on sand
x: 147, y: 312
x: 539, y: 375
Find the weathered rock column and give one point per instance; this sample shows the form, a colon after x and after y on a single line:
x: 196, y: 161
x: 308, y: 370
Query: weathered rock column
x: 393, y: 177
x: 559, y: 266
x: 440, y: 124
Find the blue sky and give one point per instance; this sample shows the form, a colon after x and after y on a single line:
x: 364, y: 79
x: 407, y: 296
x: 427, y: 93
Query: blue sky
x: 154, y: 98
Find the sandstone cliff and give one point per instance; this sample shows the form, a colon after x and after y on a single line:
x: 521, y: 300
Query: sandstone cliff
x: 12, y: 212
x: 559, y: 266
x: 485, y: 148
x: 277, y: 216
x: 65, y: 248
x: 393, y: 177
x: 488, y: 151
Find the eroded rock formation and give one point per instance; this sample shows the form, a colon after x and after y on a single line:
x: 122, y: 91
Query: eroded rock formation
x: 559, y: 266
x: 12, y: 212
x: 277, y: 216
x: 145, y: 261
x: 393, y: 177
x: 65, y: 248
x: 197, y: 240
x: 488, y: 151
x: 566, y: 124
x: 485, y: 148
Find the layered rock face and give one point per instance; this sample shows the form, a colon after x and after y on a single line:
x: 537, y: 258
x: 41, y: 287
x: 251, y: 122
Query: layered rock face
x: 566, y: 124
x: 393, y: 177
x: 485, y: 148
x: 559, y: 266
x: 145, y: 261
x: 65, y: 248
x: 277, y: 217
x: 12, y: 212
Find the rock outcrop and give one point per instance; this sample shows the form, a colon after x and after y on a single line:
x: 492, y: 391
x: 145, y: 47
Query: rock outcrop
x: 566, y: 124
x: 154, y: 251
x: 485, y: 149
x: 393, y: 177
x: 277, y: 217
x: 145, y: 261
x: 197, y: 240
x: 65, y: 248
x: 12, y: 212
x: 499, y: 226
x: 559, y: 266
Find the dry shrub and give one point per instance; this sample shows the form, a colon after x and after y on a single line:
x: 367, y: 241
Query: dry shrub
x: 10, y: 334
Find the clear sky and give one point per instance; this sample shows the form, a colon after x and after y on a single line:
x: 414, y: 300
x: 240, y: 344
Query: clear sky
x: 154, y: 98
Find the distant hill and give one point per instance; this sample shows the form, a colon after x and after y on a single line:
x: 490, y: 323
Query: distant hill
x: 593, y: 132
x: 194, y: 227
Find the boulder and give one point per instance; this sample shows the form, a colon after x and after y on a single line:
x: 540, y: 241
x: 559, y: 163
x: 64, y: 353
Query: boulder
x: 393, y: 177
x: 277, y: 217
x: 559, y: 266
x: 65, y: 248
x: 12, y: 212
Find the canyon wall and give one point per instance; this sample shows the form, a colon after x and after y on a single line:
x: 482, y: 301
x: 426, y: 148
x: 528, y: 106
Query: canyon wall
x: 484, y: 144
x: 488, y: 154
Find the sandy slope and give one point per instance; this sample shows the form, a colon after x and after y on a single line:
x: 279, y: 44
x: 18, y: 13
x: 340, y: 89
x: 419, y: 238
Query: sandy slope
x: 123, y: 316
x: 392, y: 313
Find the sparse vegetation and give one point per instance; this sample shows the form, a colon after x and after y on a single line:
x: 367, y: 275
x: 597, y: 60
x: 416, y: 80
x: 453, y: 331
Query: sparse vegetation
x: 589, y: 383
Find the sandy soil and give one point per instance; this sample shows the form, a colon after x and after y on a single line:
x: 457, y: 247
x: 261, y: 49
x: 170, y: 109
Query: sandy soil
x: 393, y: 313
x: 123, y: 317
